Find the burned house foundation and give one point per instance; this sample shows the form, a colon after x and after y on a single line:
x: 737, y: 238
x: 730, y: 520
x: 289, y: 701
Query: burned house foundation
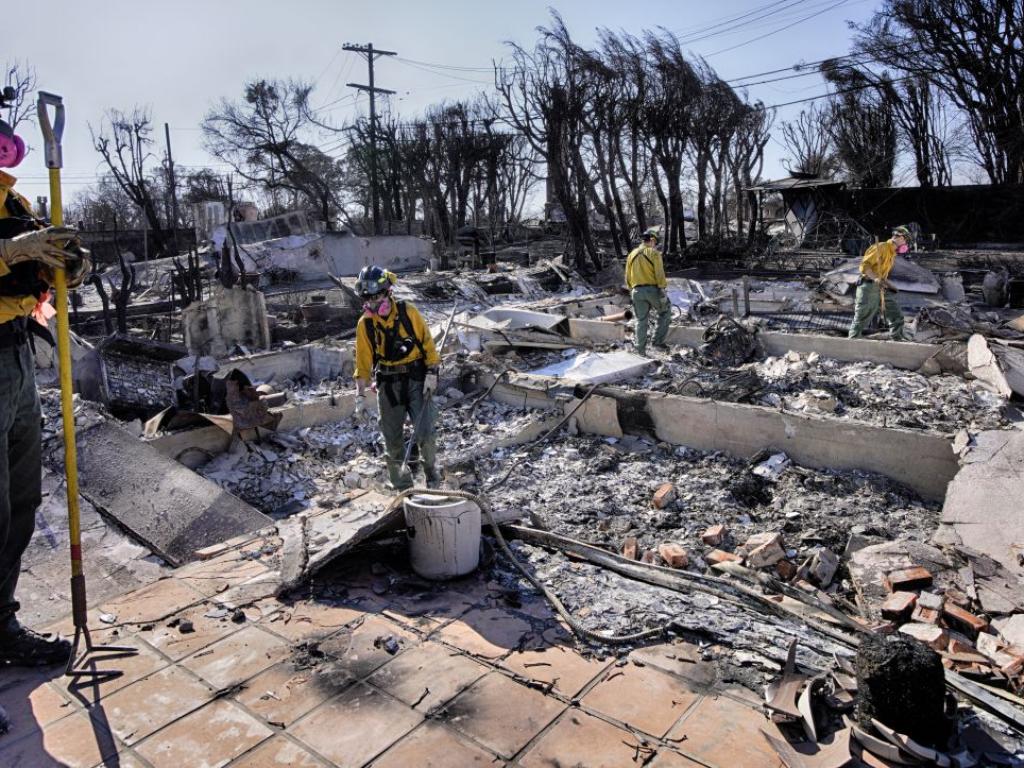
x: 722, y: 524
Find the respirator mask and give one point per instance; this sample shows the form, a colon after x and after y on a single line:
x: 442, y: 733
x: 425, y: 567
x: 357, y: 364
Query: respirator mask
x: 380, y: 307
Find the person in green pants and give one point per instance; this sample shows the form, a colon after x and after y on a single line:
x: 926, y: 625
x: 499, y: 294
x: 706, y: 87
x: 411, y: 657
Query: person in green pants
x: 394, y: 349
x: 874, y: 291
x: 645, y: 278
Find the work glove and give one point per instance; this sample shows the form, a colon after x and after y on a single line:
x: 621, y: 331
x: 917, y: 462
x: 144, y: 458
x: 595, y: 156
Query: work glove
x: 77, y: 266
x: 360, y: 410
x: 429, y: 385
x: 46, y: 246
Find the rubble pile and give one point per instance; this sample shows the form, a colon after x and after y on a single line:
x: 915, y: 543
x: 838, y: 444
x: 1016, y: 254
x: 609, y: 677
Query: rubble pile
x: 609, y: 491
x: 290, y: 471
x: 879, y: 394
x: 811, y: 384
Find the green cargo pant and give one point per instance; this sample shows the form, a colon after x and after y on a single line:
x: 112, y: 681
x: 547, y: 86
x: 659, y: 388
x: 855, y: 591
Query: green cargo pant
x: 20, y: 469
x: 648, y: 299
x: 869, y: 297
x: 407, y: 395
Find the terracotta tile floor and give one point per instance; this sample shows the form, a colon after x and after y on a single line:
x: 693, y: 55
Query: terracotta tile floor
x: 449, y: 676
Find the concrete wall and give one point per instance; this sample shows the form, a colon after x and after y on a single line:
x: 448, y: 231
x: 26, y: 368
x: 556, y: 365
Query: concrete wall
x: 214, y: 440
x: 317, y: 362
x: 922, y: 461
x: 233, y: 316
x: 919, y: 460
x: 595, y: 330
x: 313, y: 255
x: 347, y: 254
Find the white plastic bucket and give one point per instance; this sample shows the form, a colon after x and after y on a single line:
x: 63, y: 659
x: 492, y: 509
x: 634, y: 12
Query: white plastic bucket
x: 444, y: 536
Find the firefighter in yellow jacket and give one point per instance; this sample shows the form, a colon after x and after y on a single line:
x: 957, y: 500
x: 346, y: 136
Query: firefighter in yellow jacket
x: 874, y: 291
x: 29, y: 252
x: 645, y: 278
x: 394, y: 349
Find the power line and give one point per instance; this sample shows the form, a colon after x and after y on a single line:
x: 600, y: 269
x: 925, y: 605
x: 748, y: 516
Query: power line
x: 736, y: 27
x: 801, y: 20
x: 442, y: 74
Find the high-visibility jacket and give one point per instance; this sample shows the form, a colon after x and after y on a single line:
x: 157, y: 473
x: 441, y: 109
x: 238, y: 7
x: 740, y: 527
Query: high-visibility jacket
x: 644, y: 267
x: 12, y: 306
x: 878, y: 260
x: 369, y: 349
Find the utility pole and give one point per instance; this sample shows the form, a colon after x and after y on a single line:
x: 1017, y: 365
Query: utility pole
x: 174, y: 187
x: 371, y: 55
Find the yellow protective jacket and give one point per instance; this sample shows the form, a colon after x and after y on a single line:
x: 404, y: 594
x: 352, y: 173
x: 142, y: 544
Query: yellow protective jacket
x: 365, y: 345
x: 644, y: 267
x: 878, y: 260
x: 12, y: 306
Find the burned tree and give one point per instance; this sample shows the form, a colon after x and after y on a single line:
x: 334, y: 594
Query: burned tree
x: 746, y: 160
x: 918, y: 109
x: 973, y: 50
x: 123, y: 296
x: 545, y: 97
x: 863, y: 131
x: 123, y: 141
x: 808, y: 139
x: 264, y: 138
x: 21, y: 77
x: 188, y: 279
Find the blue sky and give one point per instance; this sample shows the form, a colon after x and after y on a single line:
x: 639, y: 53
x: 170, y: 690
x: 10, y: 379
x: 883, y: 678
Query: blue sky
x: 179, y: 58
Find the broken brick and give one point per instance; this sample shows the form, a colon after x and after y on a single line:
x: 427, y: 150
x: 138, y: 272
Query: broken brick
x: 931, y: 635
x: 931, y: 600
x: 962, y: 618
x: 925, y: 615
x: 785, y: 569
x: 664, y: 496
x: 674, y: 555
x: 631, y: 548
x: 898, y: 605
x: 649, y: 557
x: 1014, y: 668
x: 764, y: 549
x: 713, y: 536
x: 908, y: 579
x: 960, y: 644
x: 716, y: 556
